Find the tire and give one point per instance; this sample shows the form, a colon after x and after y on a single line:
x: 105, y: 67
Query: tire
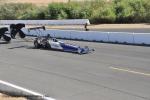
x: 79, y: 51
x: 12, y: 26
x: 15, y: 28
x: 6, y: 38
x: 19, y: 26
x: 13, y: 33
x: 21, y: 34
x: 36, y: 44
x: 3, y: 30
x: 47, y: 45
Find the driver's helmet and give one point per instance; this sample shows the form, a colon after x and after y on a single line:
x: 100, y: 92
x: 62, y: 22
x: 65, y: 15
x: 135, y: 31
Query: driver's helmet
x: 55, y: 40
x: 48, y: 36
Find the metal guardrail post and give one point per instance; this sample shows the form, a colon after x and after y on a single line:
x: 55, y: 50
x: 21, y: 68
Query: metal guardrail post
x: 70, y: 35
x: 133, y: 38
x: 108, y: 36
x: 85, y: 26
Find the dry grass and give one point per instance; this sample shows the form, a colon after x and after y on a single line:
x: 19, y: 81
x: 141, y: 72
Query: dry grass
x: 102, y: 26
x: 119, y: 26
x: 38, y: 2
x: 6, y: 97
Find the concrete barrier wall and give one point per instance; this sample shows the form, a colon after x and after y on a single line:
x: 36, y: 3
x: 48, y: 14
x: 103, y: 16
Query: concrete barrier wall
x: 95, y: 36
x: 142, y: 38
x: 120, y: 37
x: 60, y: 33
x: 79, y: 35
x: 47, y: 22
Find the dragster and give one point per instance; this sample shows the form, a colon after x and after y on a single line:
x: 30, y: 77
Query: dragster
x: 53, y: 43
x: 41, y: 41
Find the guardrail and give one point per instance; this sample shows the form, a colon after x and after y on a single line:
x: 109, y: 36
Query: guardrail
x: 47, y: 22
x: 115, y: 37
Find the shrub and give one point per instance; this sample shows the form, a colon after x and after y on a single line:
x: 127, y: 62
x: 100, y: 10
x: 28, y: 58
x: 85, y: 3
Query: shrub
x: 56, y: 11
x: 138, y: 10
x: 34, y: 13
x: 124, y: 12
x: 98, y: 11
x: 146, y: 5
x: 104, y: 14
x: 131, y: 11
x: 6, y: 13
x: 13, y: 11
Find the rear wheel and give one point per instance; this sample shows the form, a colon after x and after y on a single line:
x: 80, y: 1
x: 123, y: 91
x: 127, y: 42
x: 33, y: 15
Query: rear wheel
x: 21, y: 34
x: 6, y: 38
x: 48, y: 46
x: 36, y: 44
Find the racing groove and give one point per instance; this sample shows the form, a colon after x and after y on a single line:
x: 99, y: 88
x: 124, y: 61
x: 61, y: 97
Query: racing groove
x: 68, y: 76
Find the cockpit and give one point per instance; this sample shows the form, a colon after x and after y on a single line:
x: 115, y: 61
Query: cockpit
x: 55, y: 40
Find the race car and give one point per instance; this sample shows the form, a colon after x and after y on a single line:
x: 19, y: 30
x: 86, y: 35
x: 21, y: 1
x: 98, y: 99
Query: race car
x: 53, y: 43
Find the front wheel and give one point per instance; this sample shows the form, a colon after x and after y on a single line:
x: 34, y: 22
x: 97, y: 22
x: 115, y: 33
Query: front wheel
x: 79, y: 51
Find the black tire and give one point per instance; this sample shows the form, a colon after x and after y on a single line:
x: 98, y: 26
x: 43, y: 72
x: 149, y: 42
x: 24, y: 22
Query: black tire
x: 13, y: 33
x: 19, y: 26
x: 15, y: 28
x: 12, y: 26
x: 36, y: 44
x: 48, y: 46
x: 21, y: 34
x: 3, y: 30
x: 6, y: 38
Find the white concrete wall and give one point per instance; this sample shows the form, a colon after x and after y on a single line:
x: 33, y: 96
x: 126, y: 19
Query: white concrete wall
x: 96, y: 36
x: 47, y: 22
x: 60, y: 33
x: 120, y: 37
x: 142, y: 38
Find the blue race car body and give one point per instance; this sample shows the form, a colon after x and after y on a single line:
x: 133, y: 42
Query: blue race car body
x: 52, y: 43
x: 74, y: 48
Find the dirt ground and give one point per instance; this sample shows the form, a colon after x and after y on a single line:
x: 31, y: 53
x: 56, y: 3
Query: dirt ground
x: 102, y: 26
x: 6, y: 97
x: 144, y: 25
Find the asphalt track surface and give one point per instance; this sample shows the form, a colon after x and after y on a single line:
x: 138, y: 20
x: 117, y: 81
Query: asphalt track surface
x: 111, y: 72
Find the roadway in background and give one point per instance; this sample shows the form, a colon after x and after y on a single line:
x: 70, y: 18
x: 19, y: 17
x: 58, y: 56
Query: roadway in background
x: 132, y: 30
x: 136, y: 28
x: 140, y: 30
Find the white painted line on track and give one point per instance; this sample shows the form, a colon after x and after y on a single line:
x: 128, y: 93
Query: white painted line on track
x: 26, y: 90
x: 130, y: 71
